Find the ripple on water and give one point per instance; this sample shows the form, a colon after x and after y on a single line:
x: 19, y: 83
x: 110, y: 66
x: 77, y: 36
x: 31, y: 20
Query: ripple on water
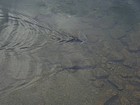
x: 20, y: 37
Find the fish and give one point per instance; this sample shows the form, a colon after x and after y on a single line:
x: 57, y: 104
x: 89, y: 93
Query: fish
x: 20, y: 37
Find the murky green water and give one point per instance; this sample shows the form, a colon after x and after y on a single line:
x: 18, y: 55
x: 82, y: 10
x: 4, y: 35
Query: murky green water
x: 69, y: 52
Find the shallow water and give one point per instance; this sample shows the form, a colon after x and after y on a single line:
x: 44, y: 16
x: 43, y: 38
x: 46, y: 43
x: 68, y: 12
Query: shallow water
x: 69, y: 52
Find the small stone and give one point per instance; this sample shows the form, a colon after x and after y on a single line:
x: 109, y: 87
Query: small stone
x: 115, y: 56
x: 104, y: 60
x: 109, y: 66
x: 136, y: 94
x: 129, y: 87
x: 85, y: 75
x: 138, y: 62
x: 134, y: 82
x: 133, y: 43
x: 124, y: 101
x: 130, y: 62
x: 126, y: 73
x: 118, y: 31
x: 138, y: 74
x: 116, y: 82
x: 106, y: 96
x: 100, y: 73
x: 133, y: 47
x: 92, y: 79
x: 98, y: 83
x: 113, y: 100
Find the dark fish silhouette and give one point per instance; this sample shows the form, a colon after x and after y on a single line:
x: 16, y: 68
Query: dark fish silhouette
x: 21, y: 35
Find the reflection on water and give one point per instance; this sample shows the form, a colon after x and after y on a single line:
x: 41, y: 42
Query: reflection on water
x: 69, y: 52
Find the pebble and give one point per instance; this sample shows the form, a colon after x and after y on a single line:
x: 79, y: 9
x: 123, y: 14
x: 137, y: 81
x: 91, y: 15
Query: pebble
x: 124, y: 101
x: 100, y: 73
x: 116, y: 82
x: 138, y: 74
x: 130, y: 62
x: 115, y: 56
x: 136, y: 94
x: 126, y: 73
x: 106, y: 96
x: 98, y: 83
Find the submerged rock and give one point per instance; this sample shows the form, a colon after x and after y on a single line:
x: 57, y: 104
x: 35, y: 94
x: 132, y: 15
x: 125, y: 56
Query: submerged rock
x: 136, y: 94
x: 98, y: 84
x: 133, y: 42
x: 130, y: 60
x: 116, y: 82
x: 124, y: 101
x: 100, y: 73
x: 115, y: 56
x: 107, y: 98
x: 137, y: 74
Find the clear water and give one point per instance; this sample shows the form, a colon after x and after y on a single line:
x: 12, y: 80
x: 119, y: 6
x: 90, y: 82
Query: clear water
x: 69, y: 52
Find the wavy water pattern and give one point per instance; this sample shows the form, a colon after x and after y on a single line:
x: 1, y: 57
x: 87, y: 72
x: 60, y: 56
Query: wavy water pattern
x: 20, y: 36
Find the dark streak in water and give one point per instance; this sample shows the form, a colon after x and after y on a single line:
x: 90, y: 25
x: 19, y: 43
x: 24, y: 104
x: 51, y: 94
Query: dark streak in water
x: 112, y: 101
x: 76, y: 68
x: 74, y: 39
x: 114, y: 85
x: 21, y: 35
